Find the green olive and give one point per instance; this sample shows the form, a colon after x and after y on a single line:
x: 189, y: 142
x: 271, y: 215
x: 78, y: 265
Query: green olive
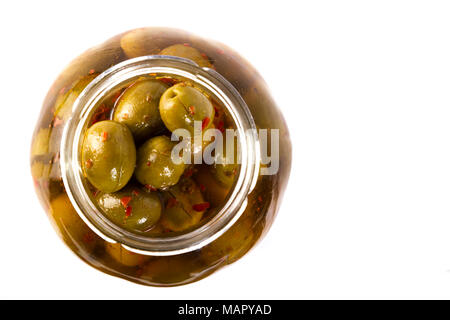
x: 73, y: 229
x: 234, y: 243
x: 108, y: 155
x: 155, y: 166
x: 225, y: 173
x: 45, y: 170
x: 131, y: 208
x: 145, y: 41
x: 181, y: 105
x: 184, y: 206
x: 137, y: 108
x: 41, y: 142
x: 40, y: 170
x: 188, y: 52
x: 226, y: 167
x: 214, y: 191
x: 46, y: 141
x: 64, y: 103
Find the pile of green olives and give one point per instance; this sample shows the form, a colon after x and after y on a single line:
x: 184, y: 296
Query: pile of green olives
x: 128, y: 158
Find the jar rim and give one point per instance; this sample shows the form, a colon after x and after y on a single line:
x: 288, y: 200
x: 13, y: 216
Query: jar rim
x: 73, y: 133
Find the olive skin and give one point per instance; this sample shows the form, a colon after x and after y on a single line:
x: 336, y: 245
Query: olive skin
x: 188, y: 52
x: 234, y: 243
x: 138, y: 106
x: 226, y: 170
x: 181, y: 105
x: 74, y: 230
x: 41, y: 142
x: 142, y: 41
x: 215, y: 192
x: 225, y: 173
x: 64, y: 102
x: 40, y: 170
x: 108, y: 155
x: 155, y: 167
x: 131, y: 209
x: 179, y: 213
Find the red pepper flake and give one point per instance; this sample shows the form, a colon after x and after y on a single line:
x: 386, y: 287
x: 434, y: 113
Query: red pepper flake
x: 91, y: 71
x: 125, y: 201
x: 149, y: 163
x: 88, y: 237
x: 139, y: 272
x: 100, y: 114
x: 205, y: 123
x: 57, y: 122
x: 104, y: 136
x: 168, y: 81
x: 201, y: 206
x: 221, y: 126
x: 188, y: 173
x: 116, y: 96
x: 103, y: 108
x: 149, y: 187
x: 125, y: 116
x: 202, y: 188
x: 192, y: 110
x: 135, y: 192
x: 204, y: 55
x: 128, y: 211
x: 260, y: 199
x: 95, y: 192
x: 152, y: 74
x: 172, y: 202
x: 88, y: 163
x: 186, y: 44
x: 95, y: 119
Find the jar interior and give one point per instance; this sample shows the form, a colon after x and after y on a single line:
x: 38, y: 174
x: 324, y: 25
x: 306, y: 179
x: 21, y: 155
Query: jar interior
x: 200, y: 173
x: 97, y: 102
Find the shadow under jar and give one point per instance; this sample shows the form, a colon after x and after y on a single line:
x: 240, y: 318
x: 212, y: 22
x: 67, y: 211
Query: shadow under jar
x: 229, y: 210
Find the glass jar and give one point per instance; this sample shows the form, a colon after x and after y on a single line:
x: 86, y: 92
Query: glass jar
x: 242, y: 214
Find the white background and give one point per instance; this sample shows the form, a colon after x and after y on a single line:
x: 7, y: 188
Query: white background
x: 365, y: 88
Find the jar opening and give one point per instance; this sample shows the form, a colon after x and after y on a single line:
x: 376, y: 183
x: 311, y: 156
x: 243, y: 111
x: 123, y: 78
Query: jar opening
x: 82, y: 112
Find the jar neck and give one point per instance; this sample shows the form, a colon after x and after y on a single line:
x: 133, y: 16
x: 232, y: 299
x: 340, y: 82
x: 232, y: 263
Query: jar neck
x: 222, y: 91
